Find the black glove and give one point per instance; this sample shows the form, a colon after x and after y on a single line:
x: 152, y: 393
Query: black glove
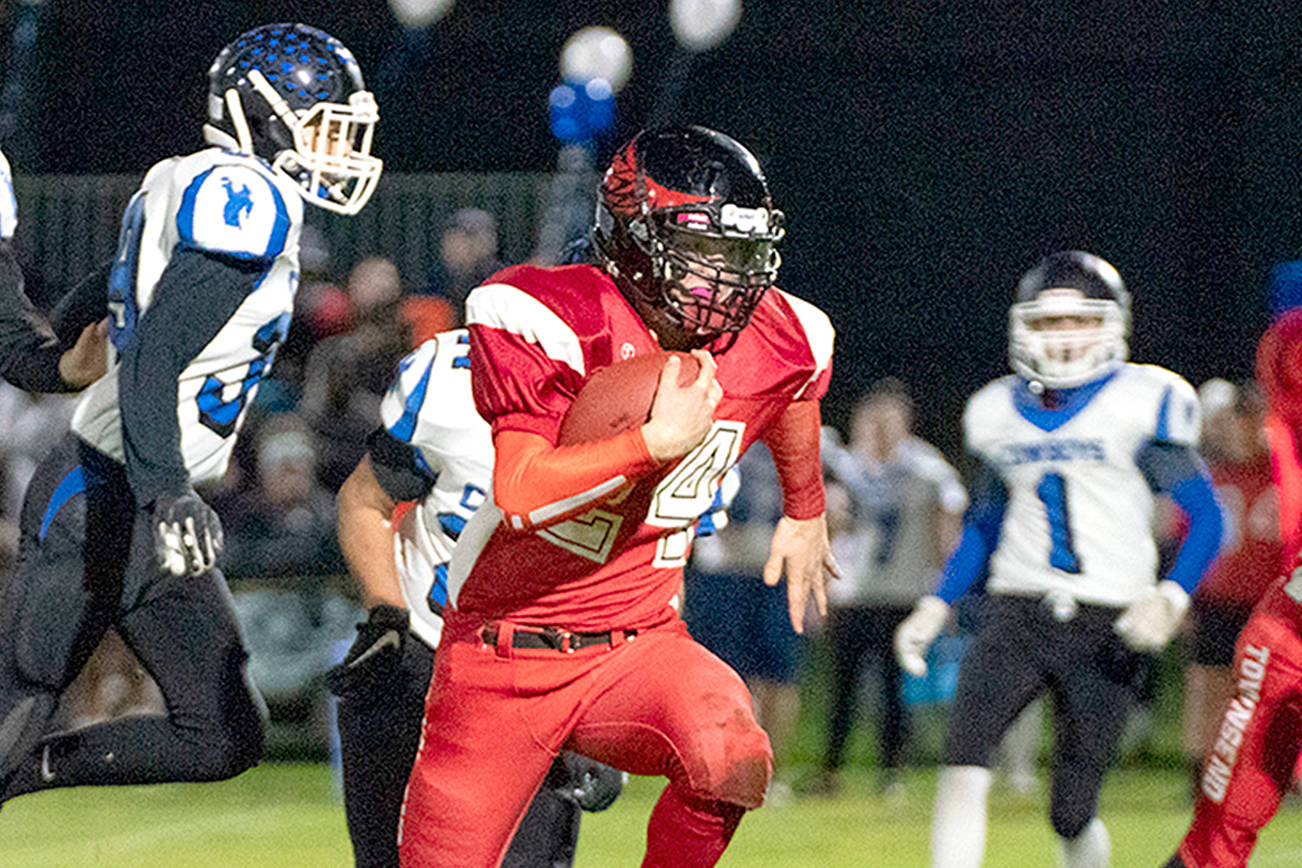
x: 593, y: 786
x: 376, y: 651
x: 187, y: 533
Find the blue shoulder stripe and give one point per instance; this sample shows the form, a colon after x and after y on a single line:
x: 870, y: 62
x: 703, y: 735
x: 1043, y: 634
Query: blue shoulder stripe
x: 405, y: 428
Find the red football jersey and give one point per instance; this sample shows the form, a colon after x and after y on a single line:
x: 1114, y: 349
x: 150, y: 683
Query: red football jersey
x: 536, y: 334
x: 1250, y: 552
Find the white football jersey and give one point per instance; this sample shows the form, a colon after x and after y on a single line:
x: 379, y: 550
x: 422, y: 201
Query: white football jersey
x: 226, y: 203
x: 430, y: 407
x: 1079, y: 515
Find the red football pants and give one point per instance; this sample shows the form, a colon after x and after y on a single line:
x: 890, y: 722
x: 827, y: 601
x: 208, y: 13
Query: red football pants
x: 1252, y: 763
x: 659, y: 704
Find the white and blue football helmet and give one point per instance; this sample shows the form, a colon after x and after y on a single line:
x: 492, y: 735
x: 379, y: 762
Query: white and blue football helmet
x: 1091, y: 305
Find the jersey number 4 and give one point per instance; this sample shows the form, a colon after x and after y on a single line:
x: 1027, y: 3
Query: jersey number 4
x: 678, y: 502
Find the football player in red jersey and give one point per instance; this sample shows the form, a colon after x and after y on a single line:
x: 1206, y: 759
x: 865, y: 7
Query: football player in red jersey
x: 561, y: 628
x: 1254, y: 756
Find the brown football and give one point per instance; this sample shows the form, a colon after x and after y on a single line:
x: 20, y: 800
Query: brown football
x: 618, y: 398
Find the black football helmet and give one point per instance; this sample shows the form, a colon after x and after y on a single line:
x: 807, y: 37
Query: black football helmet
x: 294, y: 96
x: 1070, y: 321
x: 685, y: 223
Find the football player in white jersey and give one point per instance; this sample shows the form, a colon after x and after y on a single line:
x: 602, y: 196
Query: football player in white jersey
x: 1074, y: 447
x: 434, y: 449
x: 113, y: 532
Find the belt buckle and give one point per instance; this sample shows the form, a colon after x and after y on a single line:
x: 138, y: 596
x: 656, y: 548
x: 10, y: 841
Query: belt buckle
x: 561, y: 640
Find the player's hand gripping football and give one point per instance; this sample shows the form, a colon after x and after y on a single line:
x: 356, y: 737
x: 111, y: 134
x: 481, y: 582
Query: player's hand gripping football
x: 1150, y: 621
x: 681, y: 416
x: 801, y: 550
x: 916, y: 633
x: 187, y: 533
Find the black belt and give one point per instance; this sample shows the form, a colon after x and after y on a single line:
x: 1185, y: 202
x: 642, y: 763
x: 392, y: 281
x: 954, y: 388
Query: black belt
x: 555, y: 638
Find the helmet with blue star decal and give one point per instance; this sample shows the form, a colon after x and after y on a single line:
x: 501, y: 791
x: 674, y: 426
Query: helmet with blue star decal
x: 294, y: 96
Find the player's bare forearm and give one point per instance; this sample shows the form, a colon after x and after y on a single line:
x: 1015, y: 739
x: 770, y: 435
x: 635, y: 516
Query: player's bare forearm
x: 366, y: 536
x: 800, y: 550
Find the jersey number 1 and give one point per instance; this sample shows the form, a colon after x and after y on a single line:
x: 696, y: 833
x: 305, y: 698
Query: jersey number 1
x: 1052, y: 492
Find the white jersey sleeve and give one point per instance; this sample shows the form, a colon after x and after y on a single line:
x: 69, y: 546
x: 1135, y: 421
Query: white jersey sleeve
x: 430, y: 407
x: 229, y: 204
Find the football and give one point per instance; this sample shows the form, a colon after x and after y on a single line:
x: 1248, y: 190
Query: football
x: 618, y: 398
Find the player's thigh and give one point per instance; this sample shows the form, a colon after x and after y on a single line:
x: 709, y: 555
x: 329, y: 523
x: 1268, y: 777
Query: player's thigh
x: 667, y: 705
x: 1094, y: 689
x: 479, y: 763
x: 999, y: 676
x: 186, y: 635
x: 379, y: 729
x: 1255, y: 748
x: 42, y: 600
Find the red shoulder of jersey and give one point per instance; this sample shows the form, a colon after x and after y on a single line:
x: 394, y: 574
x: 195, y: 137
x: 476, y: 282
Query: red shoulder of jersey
x: 1279, y: 366
x: 536, y: 333
x: 785, y: 351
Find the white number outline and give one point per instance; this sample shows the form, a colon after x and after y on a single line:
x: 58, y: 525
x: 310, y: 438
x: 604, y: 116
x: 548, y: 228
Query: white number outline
x: 677, y: 502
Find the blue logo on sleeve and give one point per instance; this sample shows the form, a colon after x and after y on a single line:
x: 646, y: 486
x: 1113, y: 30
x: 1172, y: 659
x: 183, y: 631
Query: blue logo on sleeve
x: 238, y: 202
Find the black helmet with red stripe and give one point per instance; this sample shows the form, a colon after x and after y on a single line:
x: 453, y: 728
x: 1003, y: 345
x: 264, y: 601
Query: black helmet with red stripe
x: 685, y: 224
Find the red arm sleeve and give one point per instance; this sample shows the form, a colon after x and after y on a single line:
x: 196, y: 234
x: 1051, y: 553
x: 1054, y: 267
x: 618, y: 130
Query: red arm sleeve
x: 793, y: 439
x: 536, y: 483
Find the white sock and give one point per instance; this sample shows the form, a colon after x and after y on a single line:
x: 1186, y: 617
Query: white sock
x: 1090, y: 849
x: 958, y: 828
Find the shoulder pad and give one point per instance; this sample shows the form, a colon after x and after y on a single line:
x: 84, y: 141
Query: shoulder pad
x: 237, y: 209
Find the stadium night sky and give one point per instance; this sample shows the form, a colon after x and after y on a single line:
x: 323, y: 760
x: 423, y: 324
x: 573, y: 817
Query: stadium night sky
x: 926, y: 153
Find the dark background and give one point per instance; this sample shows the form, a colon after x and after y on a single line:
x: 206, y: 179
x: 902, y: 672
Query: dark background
x: 926, y: 153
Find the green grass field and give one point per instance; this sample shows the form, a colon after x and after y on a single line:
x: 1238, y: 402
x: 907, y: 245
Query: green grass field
x: 287, y: 815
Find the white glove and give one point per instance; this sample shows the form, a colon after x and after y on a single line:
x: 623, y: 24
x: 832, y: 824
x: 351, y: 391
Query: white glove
x: 916, y: 633
x: 8, y: 205
x: 1150, y: 621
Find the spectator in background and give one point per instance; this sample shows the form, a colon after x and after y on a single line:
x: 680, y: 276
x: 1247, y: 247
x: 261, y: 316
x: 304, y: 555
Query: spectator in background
x: 744, y: 622
x: 284, y: 526
x: 1248, y: 561
x: 467, y: 257
x: 347, y: 374
x: 321, y: 310
x: 905, y: 506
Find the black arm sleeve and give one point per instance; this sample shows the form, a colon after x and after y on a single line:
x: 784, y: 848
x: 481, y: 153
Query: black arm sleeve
x: 85, y: 303
x: 398, y: 467
x: 196, y: 296
x: 1165, y: 465
x: 29, y: 352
